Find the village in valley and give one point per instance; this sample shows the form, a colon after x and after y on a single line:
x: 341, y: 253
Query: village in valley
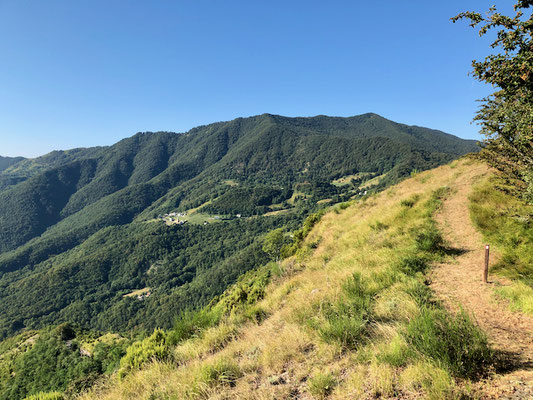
x: 195, y: 218
x: 355, y: 187
x: 173, y: 218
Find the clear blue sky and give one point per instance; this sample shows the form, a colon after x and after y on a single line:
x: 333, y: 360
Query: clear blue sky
x: 89, y: 72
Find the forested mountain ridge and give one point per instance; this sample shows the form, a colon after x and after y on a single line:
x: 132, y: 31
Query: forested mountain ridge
x: 88, y: 228
x: 19, y: 169
x: 242, y: 148
x: 6, y: 162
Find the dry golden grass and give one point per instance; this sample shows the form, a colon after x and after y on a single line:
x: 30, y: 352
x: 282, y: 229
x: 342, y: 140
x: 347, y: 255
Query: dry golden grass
x: 137, y: 292
x: 277, y: 358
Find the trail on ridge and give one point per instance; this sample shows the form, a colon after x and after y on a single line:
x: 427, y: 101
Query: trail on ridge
x: 459, y: 284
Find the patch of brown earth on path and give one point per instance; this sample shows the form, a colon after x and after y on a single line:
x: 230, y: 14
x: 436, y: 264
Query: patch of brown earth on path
x: 459, y: 284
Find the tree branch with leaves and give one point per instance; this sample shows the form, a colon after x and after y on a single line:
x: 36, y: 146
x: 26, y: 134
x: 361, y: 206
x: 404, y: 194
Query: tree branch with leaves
x: 506, y: 116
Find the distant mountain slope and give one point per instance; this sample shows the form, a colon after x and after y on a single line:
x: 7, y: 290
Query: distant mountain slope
x: 64, y: 200
x: 20, y: 168
x: 261, y: 148
x: 371, y: 125
x: 6, y: 162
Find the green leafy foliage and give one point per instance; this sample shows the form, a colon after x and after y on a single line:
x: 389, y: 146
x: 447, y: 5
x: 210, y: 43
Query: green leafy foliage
x: 6, y: 162
x: 185, y: 267
x: 506, y: 117
x: 153, y: 348
x: 248, y: 290
x: 289, y: 249
x: 55, y: 360
x: 274, y: 241
x: 247, y: 201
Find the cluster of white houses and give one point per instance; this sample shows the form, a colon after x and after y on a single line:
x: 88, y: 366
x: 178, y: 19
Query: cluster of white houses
x: 173, y: 218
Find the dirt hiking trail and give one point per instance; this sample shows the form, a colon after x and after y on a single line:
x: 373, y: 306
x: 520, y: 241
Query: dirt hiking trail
x: 459, y: 284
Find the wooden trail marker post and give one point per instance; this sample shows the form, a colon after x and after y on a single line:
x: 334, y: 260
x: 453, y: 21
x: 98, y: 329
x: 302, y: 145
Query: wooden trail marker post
x: 486, y: 268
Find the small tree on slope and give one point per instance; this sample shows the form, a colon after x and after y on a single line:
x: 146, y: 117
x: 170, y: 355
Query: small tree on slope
x: 506, y: 116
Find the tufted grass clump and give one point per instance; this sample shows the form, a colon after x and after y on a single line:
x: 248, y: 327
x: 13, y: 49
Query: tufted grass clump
x: 454, y: 342
x: 347, y: 321
x: 321, y: 385
x: 191, y: 323
x: 429, y: 239
x: 222, y: 372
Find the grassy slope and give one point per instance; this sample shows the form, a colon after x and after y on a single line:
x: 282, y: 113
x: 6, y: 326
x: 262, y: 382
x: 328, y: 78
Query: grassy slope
x: 341, y: 319
x: 506, y: 223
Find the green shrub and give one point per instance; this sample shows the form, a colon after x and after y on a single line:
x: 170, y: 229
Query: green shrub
x: 455, y: 342
x: 274, y: 242
x: 299, y: 235
x: 321, y: 385
x: 311, y: 221
x: 342, y: 206
x: 65, y: 331
x: 154, y: 347
x: 249, y: 289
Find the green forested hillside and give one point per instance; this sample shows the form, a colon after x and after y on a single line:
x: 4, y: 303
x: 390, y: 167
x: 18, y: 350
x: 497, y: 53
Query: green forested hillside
x: 6, y: 162
x: 261, y: 149
x: 124, y: 239
x: 19, y: 169
x: 83, y: 228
